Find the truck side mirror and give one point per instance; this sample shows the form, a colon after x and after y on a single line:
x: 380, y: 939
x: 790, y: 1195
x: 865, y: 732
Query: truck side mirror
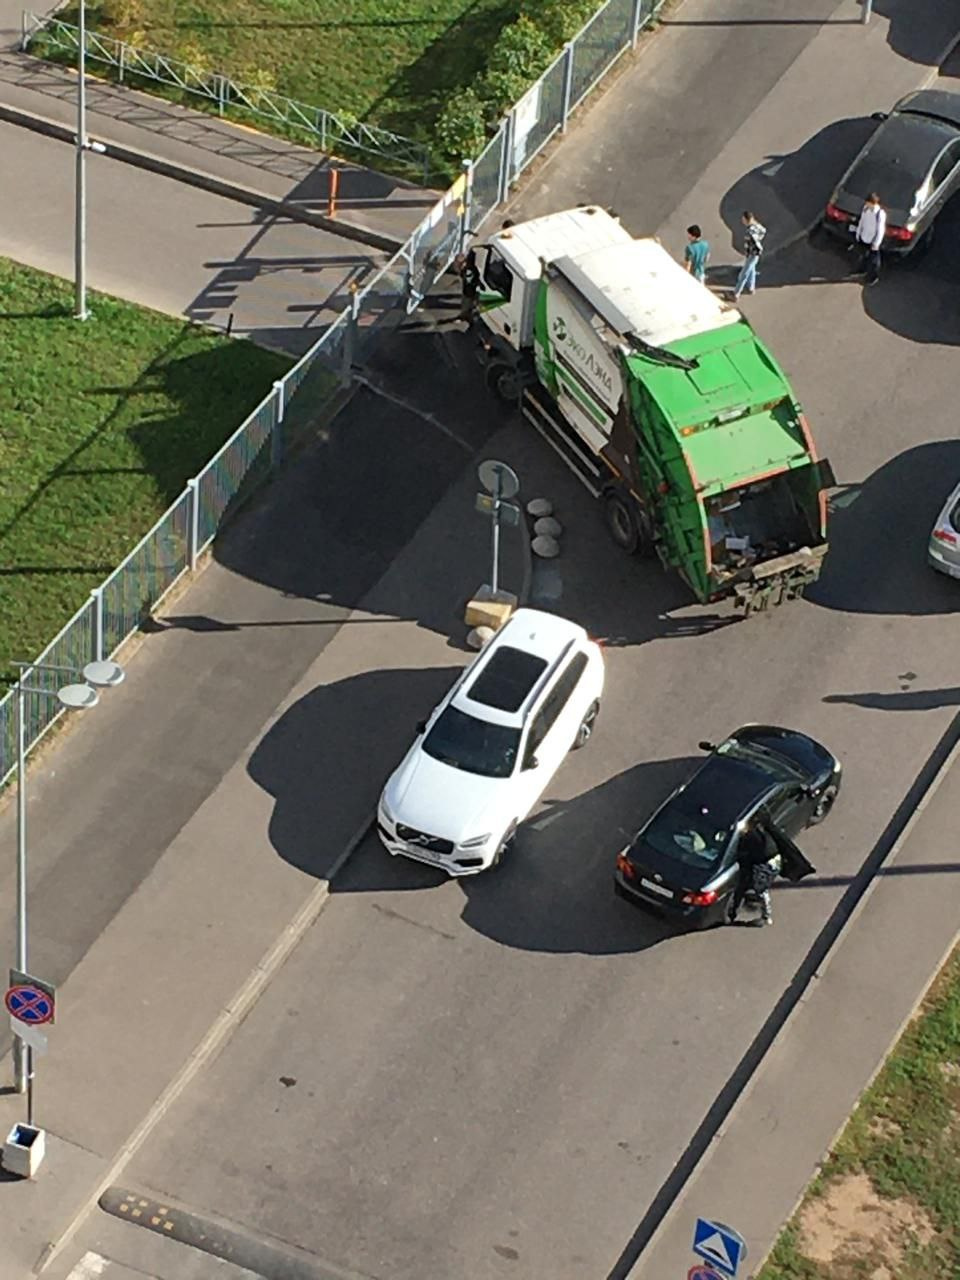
x: 531, y: 762
x: 825, y: 477
x: 708, y: 746
x: 421, y: 726
x: 879, y: 116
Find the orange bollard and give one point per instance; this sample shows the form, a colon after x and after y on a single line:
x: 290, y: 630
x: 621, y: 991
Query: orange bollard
x: 334, y: 185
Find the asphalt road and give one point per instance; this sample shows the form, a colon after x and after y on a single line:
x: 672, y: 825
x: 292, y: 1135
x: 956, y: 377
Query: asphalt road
x: 494, y: 1078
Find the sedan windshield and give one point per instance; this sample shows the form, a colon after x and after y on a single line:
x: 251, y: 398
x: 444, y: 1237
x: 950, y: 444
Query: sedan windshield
x: 476, y: 746
x: 693, y: 837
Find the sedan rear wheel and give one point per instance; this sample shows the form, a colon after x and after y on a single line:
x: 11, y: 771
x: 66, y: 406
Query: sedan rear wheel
x: 825, y: 802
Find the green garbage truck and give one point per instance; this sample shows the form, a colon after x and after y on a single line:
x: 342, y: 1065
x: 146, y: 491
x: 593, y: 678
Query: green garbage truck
x: 662, y: 400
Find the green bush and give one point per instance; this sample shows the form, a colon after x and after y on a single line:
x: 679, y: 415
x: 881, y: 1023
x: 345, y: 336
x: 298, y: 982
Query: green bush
x: 460, y: 130
x: 519, y: 56
x: 559, y: 20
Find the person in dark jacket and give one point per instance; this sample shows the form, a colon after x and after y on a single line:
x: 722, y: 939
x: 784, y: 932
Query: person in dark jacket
x: 466, y: 267
x: 760, y: 864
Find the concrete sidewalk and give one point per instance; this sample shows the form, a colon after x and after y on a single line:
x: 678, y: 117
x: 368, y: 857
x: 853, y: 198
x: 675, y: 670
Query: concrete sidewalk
x: 194, y: 145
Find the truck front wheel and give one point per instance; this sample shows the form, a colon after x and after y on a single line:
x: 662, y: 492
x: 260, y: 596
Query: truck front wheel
x: 622, y: 522
x: 504, y: 381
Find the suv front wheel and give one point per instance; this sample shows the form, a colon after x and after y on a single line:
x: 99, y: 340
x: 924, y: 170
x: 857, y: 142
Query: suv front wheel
x: 587, y: 725
x: 506, y: 846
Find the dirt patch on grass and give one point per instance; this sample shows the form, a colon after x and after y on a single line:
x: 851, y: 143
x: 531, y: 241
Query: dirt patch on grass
x: 850, y: 1218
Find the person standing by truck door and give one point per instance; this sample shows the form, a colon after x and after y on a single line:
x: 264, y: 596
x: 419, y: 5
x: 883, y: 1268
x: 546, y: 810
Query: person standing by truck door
x: 697, y: 253
x: 870, y: 232
x: 753, y: 235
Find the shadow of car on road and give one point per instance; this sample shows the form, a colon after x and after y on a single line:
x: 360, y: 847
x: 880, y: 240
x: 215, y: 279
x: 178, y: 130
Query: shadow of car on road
x: 789, y: 191
x: 326, y: 758
x: 879, y: 532
x: 555, y: 891
x: 918, y: 298
x: 917, y: 31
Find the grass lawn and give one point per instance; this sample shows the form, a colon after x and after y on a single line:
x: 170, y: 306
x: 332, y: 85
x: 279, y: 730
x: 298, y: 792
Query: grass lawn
x: 101, y: 424
x: 886, y: 1205
x: 388, y: 62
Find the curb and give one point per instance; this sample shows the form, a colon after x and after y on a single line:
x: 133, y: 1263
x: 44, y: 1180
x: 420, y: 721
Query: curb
x: 195, y: 178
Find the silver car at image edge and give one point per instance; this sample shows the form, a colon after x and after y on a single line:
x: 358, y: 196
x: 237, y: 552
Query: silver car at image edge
x: 944, y: 549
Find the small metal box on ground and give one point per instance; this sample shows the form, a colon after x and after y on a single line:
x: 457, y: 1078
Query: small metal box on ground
x: 24, y: 1150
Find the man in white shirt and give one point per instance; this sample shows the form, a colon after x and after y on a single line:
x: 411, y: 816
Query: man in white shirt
x: 870, y: 232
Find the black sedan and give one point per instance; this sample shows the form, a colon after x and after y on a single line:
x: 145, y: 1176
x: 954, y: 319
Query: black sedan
x: 912, y: 162
x: 683, y: 861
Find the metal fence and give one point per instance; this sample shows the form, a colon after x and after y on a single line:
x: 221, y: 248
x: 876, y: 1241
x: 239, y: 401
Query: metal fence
x: 329, y: 130
x: 297, y: 402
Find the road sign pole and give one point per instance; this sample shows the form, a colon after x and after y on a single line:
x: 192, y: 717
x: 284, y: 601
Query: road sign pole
x: 21, y: 1057
x: 80, y: 212
x: 495, y: 576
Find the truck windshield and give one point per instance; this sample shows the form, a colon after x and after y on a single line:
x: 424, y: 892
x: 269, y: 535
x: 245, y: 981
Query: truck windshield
x: 691, y: 836
x: 476, y: 746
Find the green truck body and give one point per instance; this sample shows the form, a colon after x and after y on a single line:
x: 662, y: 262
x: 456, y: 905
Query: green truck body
x: 662, y: 399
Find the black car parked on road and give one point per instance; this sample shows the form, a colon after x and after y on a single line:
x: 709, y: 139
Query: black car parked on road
x: 683, y: 861
x: 912, y: 162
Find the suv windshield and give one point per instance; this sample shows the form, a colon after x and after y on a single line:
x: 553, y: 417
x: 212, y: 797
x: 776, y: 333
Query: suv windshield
x: 476, y: 746
x: 693, y: 838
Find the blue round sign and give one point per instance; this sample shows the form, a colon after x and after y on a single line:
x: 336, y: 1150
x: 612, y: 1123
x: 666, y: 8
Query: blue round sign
x: 29, y: 1004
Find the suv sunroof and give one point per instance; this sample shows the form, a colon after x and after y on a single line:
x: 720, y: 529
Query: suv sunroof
x: 507, y: 679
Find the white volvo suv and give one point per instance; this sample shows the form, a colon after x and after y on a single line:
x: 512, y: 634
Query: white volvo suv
x: 489, y: 750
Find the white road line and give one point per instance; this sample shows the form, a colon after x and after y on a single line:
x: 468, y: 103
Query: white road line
x: 89, y: 1267
x: 216, y: 1037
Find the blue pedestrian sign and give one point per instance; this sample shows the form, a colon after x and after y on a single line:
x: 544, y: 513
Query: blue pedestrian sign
x: 719, y: 1245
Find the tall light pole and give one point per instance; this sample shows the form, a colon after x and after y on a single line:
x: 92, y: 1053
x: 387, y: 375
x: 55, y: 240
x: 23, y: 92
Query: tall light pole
x: 76, y: 697
x: 80, y: 234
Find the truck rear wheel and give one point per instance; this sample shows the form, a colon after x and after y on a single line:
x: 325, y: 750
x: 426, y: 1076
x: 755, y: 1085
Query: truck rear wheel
x: 622, y: 522
x: 504, y: 381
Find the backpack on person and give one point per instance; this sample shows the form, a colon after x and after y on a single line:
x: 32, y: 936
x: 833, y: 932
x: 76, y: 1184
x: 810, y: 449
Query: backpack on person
x: 753, y: 240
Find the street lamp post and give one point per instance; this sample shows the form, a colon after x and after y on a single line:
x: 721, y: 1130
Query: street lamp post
x: 80, y: 233
x: 75, y: 697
